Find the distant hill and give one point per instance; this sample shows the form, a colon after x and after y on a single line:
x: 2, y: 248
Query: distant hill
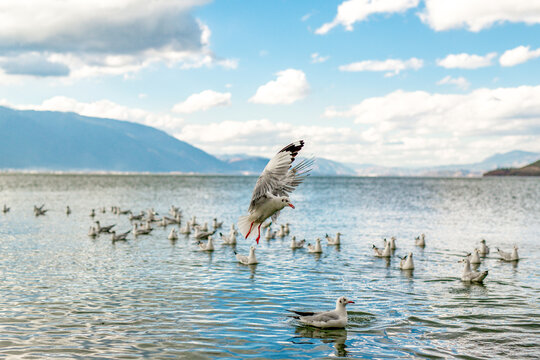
x: 255, y: 165
x: 514, y: 158
x: 528, y: 170
x: 48, y: 140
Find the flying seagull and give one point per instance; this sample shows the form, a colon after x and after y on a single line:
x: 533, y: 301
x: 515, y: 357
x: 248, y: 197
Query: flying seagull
x: 271, y: 193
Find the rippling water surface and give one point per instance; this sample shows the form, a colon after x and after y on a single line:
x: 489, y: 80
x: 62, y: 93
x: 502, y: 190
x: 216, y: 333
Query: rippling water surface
x: 63, y: 294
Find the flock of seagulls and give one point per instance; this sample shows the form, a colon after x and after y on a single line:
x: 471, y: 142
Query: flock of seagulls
x: 270, y: 195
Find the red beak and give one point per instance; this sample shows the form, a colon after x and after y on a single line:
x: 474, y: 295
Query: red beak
x: 350, y: 302
x: 291, y: 205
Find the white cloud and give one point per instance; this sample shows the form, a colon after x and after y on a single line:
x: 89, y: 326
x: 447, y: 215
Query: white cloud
x: 317, y: 58
x: 421, y: 128
x: 89, y: 38
x: 203, y: 101
x: 466, y: 61
x: 476, y: 15
x: 352, y: 11
x: 518, y: 55
x: 392, y: 66
x: 290, y: 86
x: 264, y: 137
x: 104, y: 109
x: 460, y: 82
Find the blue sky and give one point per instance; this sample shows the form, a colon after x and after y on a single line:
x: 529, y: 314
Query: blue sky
x: 392, y: 82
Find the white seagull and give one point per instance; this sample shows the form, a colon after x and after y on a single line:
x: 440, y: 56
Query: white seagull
x: 506, y: 256
x: 484, y: 249
x: 315, y: 248
x: 474, y: 258
x: 173, y: 235
x: 386, y: 252
x: 247, y: 260
x: 271, y: 193
x: 471, y: 276
x: 420, y: 241
x: 392, y: 243
x: 228, y: 240
x: 297, y: 244
x: 209, y: 246
x: 407, y: 263
x: 327, y: 319
x: 332, y: 241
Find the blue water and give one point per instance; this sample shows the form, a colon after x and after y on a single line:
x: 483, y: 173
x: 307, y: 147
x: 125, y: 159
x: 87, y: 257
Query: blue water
x: 63, y: 294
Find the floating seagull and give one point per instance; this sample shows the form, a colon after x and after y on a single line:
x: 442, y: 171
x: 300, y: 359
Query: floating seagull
x: 392, y: 243
x: 281, y: 232
x: 327, y: 319
x: 484, y: 249
x: 315, y: 248
x: 216, y: 224
x: 173, y: 235
x: 92, y: 213
x: 474, y: 258
x: 420, y: 241
x: 68, y: 210
x: 209, y: 246
x: 469, y: 275
x: 506, y: 256
x: 103, y: 229
x: 270, y: 234
x: 135, y: 217
x: 297, y: 244
x: 5, y: 209
x: 247, y: 260
x: 233, y: 230
x: 92, y: 232
x: 271, y: 193
x: 407, y: 263
x: 119, y: 237
x: 186, y: 230
x: 203, y: 228
x: 228, y: 240
x: 39, y: 210
x: 332, y: 241
x: 202, y: 235
x: 137, y: 231
x: 386, y: 252
x: 287, y: 229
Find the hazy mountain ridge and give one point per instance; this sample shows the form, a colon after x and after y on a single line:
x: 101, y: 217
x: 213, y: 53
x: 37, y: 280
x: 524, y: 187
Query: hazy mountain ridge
x: 528, y: 170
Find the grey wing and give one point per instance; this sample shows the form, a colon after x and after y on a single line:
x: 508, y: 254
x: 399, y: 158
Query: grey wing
x: 293, y: 178
x: 302, y: 313
x: 274, y: 172
x: 325, y: 316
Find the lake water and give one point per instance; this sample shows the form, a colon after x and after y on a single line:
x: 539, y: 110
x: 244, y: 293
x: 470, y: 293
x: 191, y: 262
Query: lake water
x: 63, y: 294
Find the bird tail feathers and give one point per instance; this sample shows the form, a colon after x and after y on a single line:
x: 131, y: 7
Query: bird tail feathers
x: 244, y: 225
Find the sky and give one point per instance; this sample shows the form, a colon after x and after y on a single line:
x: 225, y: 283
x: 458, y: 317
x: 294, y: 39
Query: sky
x: 388, y: 82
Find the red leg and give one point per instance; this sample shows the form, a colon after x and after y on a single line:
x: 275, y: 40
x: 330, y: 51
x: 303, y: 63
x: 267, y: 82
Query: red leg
x: 249, y: 232
x: 259, y: 236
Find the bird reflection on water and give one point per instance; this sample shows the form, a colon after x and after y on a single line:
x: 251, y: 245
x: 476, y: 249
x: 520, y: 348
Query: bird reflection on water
x: 327, y: 336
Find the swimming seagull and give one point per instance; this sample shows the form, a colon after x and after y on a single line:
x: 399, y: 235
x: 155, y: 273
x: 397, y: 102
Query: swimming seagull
x: 386, y: 252
x: 92, y: 232
x: 5, y: 209
x: 506, y: 256
x: 209, y: 246
x: 173, y: 235
x: 420, y: 241
x: 474, y: 258
x: 327, y: 319
x: 68, y: 210
x: 119, y: 237
x: 186, y: 230
x: 271, y: 193
x: 484, y: 249
x: 315, y: 248
x: 471, y: 276
x: 247, y: 260
x: 103, y: 229
x: 297, y: 244
x: 228, y: 240
x: 392, y: 243
x: 406, y: 262
x: 332, y: 241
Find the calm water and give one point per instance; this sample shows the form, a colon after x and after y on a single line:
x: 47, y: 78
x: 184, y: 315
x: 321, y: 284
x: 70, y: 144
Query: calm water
x: 63, y: 294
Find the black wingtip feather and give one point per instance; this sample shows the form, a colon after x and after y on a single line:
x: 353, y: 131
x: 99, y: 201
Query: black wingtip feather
x: 294, y: 148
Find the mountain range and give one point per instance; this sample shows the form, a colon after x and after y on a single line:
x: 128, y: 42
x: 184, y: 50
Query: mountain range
x: 64, y: 141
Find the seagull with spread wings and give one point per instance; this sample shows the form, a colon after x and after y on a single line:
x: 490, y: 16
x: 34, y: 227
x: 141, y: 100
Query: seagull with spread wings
x: 271, y: 193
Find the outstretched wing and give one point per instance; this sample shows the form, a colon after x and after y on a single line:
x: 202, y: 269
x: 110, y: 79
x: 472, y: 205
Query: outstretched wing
x: 276, y: 177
